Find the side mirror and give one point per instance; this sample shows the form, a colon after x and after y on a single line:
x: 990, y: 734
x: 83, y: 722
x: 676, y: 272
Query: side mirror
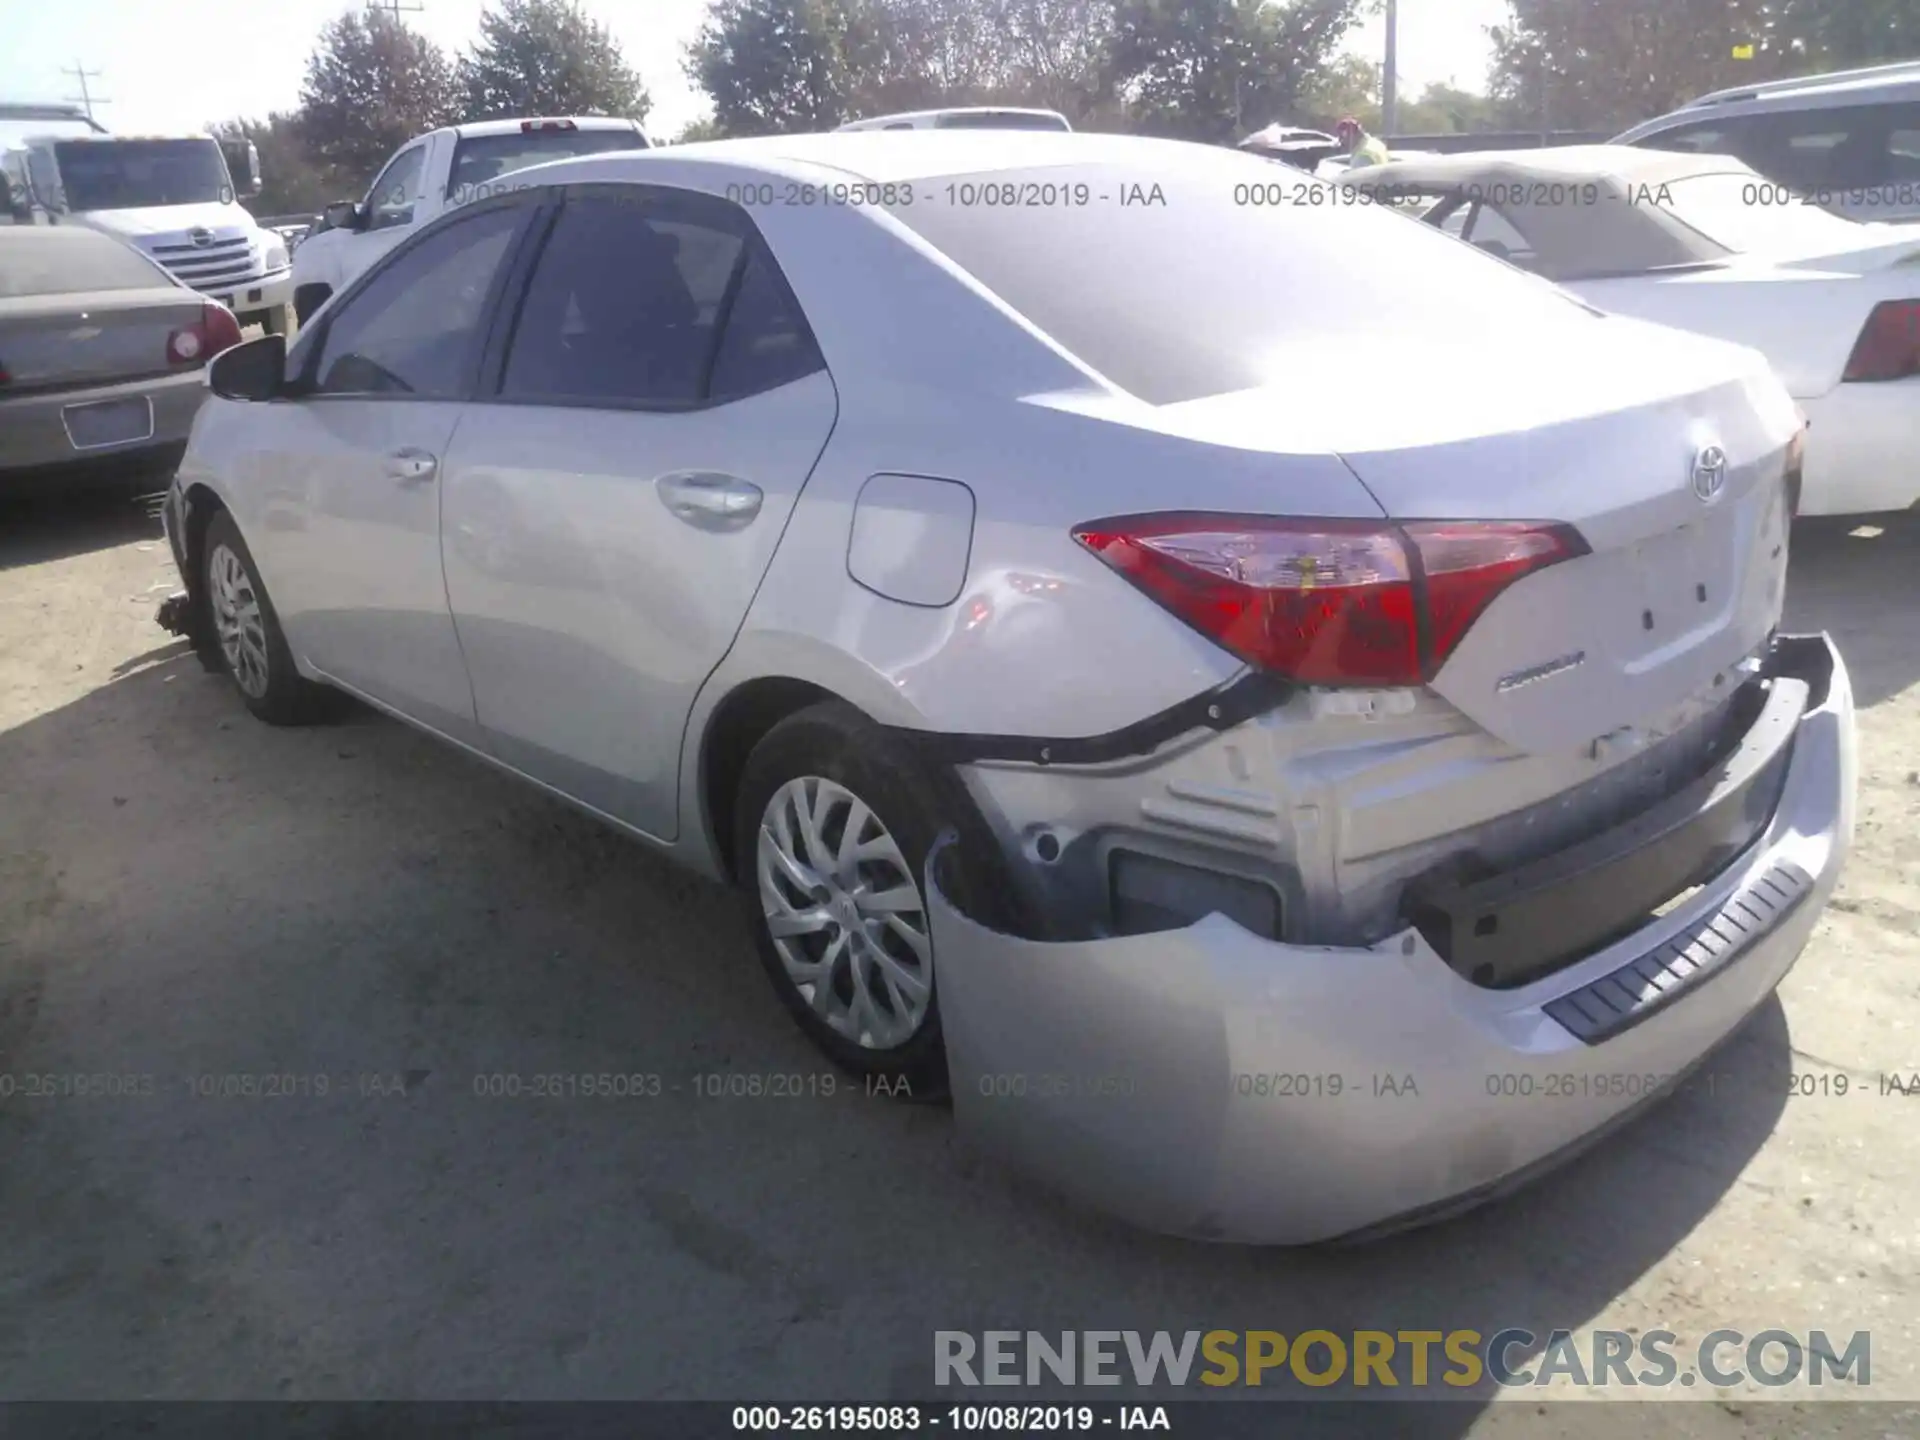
x: 343, y: 215
x: 252, y: 370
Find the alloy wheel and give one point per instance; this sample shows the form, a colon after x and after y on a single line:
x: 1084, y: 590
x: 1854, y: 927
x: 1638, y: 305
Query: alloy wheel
x: 237, y: 620
x: 844, y: 911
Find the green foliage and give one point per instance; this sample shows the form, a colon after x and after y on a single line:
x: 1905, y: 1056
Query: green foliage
x: 546, y: 57
x: 291, y: 184
x: 372, y: 84
x: 772, y: 65
x: 1588, y: 65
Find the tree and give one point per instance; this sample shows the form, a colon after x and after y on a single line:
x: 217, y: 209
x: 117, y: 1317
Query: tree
x: 1575, y: 64
x: 291, y: 183
x: 1216, y: 70
x: 372, y: 84
x: 694, y: 131
x: 1448, y: 110
x: 546, y: 57
x: 1346, y: 85
x: 1808, y: 36
x: 771, y: 66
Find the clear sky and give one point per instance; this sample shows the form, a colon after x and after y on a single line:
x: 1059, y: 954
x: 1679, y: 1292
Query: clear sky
x: 179, y: 64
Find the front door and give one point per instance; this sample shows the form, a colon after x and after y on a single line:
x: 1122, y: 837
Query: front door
x: 610, y: 512
x: 350, y: 535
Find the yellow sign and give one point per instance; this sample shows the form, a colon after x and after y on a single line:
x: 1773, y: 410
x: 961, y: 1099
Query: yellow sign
x: 1743, y: 52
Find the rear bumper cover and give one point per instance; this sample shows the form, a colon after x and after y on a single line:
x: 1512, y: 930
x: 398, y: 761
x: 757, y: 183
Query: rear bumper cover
x: 1209, y: 1083
x: 34, y: 436
x: 1859, y: 444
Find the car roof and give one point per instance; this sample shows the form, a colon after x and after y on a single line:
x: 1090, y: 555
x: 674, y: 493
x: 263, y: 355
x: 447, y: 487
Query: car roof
x: 1877, y: 85
x: 1619, y: 165
x: 958, y: 110
x: 513, y: 124
x: 881, y: 156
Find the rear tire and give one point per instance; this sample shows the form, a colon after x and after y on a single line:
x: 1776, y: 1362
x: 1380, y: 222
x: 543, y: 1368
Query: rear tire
x: 853, y: 961
x: 251, y: 645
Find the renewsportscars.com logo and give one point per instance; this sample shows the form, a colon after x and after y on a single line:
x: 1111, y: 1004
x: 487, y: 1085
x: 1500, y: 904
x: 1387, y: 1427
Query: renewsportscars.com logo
x: 1440, y: 1361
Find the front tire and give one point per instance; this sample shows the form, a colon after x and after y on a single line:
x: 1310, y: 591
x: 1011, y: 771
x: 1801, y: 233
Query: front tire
x: 252, y: 647
x: 832, y: 828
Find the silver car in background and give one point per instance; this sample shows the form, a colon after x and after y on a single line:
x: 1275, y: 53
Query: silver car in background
x: 1283, y: 712
x: 102, y: 357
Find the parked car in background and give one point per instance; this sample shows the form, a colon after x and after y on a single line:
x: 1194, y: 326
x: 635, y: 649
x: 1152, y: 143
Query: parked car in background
x: 101, y: 357
x: 1291, y: 145
x: 1279, y: 723
x: 429, y: 175
x: 173, y: 197
x: 1848, y: 141
x: 1705, y: 243
x: 965, y: 117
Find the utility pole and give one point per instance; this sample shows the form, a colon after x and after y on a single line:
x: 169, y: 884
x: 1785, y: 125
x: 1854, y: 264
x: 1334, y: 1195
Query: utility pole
x: 86, y: 97
x: 1390, y: 80
x: 394, y: 7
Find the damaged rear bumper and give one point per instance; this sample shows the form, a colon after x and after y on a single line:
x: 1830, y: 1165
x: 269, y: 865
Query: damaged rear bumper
x: 1211, y: 1083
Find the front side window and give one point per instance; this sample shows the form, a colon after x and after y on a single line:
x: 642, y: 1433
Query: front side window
x: 415, y: 327
x: 635, y: 301
x: 391, y: 200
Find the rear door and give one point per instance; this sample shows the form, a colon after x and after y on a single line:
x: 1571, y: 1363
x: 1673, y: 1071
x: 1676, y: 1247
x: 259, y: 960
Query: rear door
x: 347, y: 476
x: 611, y: 508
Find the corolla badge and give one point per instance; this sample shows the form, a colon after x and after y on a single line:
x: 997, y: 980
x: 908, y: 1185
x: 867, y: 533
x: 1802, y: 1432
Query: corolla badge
x: 1709, y: 473
x: 1534, y: 674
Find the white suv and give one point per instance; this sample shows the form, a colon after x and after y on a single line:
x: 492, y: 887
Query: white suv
x: 1849, y: 141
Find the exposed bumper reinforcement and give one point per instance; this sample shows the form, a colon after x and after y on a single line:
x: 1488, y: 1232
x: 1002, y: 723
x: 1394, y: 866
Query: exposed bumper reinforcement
x: 1209, y: 1083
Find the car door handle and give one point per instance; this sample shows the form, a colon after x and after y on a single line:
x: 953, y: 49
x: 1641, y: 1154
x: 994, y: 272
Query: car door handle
x: 708, y: 500
x: 410, y: 466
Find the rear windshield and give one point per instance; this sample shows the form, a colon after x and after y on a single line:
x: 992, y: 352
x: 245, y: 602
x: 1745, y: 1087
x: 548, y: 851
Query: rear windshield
x: 42, y: 260
x: 1747, y: 213
x: 482, y: 159
x: 131, y: 174
x: 1215, y: 276
x: 999, y: 120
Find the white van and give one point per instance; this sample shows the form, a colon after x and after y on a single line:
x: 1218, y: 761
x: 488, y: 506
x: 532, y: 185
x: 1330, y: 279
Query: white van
x: 1849, y: 140
x: 966, y: 117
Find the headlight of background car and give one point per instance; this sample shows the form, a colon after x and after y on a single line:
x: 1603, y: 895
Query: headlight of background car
x: 276, y: 255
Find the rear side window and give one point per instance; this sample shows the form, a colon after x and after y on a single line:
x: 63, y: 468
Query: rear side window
x: 480, y: 160
x: 655, y: 299
x: 38, y: 260
x: 414, y: 327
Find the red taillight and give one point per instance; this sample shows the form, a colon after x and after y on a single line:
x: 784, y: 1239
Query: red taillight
x: 1889, y: 344
x: 196, y: 344
x: 1328, y: 602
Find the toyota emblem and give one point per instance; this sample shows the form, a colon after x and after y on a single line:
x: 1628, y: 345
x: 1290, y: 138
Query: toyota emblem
x: 200, y: 237
x: 1709, y: 473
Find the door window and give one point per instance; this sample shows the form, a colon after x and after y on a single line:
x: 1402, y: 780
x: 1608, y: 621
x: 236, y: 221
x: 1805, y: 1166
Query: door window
x: 661, y: 299
x: 414, y: 327
x: 391, y: 200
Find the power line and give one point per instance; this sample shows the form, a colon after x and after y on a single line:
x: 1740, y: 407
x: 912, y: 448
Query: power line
x: 394, y: 7
x: 86, y: 97
x: 1390, y: 73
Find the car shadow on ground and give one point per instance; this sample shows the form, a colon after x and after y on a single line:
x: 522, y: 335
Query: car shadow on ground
x: 188, y: 896
x: 40, y: 528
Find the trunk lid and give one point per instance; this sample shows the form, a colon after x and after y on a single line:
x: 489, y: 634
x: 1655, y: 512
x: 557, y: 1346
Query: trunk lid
x: 53, y: 342
x: 1680, y: 586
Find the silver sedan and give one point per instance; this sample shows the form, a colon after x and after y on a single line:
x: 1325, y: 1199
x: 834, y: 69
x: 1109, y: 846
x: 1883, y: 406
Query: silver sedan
x: 1278, y: 711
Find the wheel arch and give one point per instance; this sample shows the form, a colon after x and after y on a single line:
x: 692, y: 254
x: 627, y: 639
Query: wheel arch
x: 737, y: 723
x: 200, y: 503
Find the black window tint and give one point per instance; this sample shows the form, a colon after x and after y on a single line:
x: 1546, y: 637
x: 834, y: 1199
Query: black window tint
x: 767, y: 343
x: 624, y: 301
x: 413, y: 328
x: 1903, y: 145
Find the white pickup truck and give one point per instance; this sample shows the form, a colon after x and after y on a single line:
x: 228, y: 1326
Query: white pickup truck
x: 429, y: 175
x: 171, y: 196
